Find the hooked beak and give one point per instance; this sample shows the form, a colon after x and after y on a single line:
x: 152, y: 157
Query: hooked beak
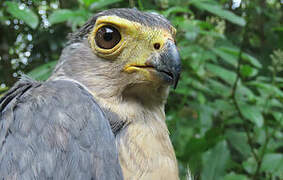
x: 168, y: 64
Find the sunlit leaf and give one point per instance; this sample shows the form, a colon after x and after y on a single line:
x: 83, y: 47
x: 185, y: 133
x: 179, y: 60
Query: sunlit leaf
x: 3, y: 89
x: 22, y: 12
x: 280, y: 28
x: 248, y: 71
x: 88, y: 2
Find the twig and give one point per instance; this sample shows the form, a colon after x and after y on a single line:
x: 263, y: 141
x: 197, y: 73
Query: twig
x: 237, y: 106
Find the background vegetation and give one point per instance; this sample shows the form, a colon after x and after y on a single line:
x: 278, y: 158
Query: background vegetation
x: 226, y: 116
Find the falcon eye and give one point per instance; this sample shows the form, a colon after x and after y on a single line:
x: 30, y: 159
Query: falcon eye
x: 107, y: 37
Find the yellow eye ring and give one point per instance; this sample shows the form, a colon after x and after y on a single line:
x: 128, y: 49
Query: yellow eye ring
x: 105, y: 50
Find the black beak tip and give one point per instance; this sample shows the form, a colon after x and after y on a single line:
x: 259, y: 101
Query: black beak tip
x: 176, y: 78
x: 176, y: 82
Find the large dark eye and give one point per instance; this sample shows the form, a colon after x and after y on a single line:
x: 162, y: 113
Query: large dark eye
x: 107, y: 37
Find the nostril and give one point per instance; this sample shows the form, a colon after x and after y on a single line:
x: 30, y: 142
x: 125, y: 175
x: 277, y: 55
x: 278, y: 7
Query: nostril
x: 156, y: 46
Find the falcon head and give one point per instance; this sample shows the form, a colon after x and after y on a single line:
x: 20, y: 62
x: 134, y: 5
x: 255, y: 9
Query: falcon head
x: 123, y: 54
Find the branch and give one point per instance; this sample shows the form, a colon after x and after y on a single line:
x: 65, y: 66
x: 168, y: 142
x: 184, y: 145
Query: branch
x: 237, y: 106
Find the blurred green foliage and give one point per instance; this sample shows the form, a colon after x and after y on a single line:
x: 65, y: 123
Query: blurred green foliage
x: 226, y: 116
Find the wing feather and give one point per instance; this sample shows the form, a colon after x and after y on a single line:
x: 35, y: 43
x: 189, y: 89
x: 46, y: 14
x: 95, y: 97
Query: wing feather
x: 55, y: 130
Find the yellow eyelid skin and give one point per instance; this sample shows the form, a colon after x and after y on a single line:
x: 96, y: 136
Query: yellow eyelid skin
x: 125, y: 27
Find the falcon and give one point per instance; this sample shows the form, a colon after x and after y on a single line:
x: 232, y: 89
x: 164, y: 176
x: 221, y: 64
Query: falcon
x: 100, y: 115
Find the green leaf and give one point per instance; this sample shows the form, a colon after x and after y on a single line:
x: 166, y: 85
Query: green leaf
x: 233, y: 176
x: 176, y: 9
x: 212, y: 34
x: 215, y: 161
x: 222, y: 105
x: 259, y: 135
x: 191, y: 30
x: 3, y: 89
x: 205, y: 118
x: 273, y: 163
x: 280, y: 28
x: 246, y: 57
x: 102, y: 3
x: 88, y: 2
x: 23, y: 13
x: 229, y: 58
x: 77, y: 17
x: 219, y: 11
x: 245, y: 93
x: 267, y: 88
x: 219, y: 88
x: 61, y: 15
x: 252, y: 60
x: 226, y: 75
x: 196, y: 145
x: 278, y: 116
x: 250, y: 165
x: 248, y: 71
x: 43, y: 72
x: 252, y: 113
x: 238, y: 140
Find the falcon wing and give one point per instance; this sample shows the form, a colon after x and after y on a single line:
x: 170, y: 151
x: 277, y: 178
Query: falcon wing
x: 55, y: 130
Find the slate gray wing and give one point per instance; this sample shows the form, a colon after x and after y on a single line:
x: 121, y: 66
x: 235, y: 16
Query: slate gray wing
x: 55, y: 130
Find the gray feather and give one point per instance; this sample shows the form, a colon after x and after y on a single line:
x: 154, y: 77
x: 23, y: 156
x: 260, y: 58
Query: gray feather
x: 55, y: 130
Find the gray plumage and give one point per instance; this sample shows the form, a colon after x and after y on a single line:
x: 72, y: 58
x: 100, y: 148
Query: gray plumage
x: 55, y: 130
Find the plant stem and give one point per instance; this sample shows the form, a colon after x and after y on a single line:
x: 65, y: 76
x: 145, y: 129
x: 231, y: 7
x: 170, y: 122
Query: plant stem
x: 237, y: 106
